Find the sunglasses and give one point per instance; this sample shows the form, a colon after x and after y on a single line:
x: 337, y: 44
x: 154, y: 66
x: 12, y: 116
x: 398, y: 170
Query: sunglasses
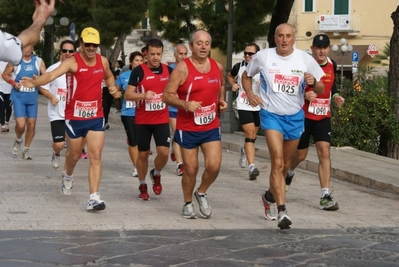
x: 91, y: 44
x: 249, y: 53
x: 69, y: 51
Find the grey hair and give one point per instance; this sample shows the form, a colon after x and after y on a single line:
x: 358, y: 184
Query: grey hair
x: 177, y: 46
x: 191, y: 38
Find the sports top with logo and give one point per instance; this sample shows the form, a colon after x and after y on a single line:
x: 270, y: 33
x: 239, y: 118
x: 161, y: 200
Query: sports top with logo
x: 84, y: 94
x: 58, y: 89
x: 26, y: 95
x: 319, y: 108
x: 152, y: 111
x: 201, y: 87
x: 242, y: 100
x: 282, y: 79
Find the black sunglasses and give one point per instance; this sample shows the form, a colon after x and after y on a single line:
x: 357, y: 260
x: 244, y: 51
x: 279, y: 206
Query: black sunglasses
x: 66, y: 50
x: 91, y: 44
x: 249, y: 53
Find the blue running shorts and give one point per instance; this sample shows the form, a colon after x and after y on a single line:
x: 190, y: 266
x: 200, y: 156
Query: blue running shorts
x: 191, y: 140
x: 79, y: 128
x: 290, y: 126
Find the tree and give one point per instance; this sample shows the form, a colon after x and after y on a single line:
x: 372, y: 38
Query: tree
x: 393, y: 76
x: 113, y: 18
x: 280, y: 15
x: 176, y: 19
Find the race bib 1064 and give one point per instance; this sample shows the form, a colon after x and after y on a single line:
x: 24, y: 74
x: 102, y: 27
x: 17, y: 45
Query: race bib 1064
x: 155, y: 103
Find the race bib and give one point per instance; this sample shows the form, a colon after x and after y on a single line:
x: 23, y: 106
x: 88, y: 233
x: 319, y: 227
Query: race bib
x: 244, y: 98
x: 130, y: 104
x: 319, y: 106
x: 61, y: 94
x: 85, y: 110
x: 205, y: 115
x: 155, y: 103
x: 27, y: 89
x: 286, y: 84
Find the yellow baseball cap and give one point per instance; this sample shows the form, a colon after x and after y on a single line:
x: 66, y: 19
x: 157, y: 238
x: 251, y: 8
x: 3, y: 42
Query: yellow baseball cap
x: 90, y: 35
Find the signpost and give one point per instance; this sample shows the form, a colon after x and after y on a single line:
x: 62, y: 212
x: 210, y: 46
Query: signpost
x: 355, y: 61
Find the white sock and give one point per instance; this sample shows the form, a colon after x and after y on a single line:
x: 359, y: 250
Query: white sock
x: 251, y: 166
x: 324, y: 191
x: 291, y: 172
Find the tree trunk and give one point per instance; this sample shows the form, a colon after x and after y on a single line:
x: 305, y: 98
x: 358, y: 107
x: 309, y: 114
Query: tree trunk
x: 117, y: 48
x: 393, y: 75
x: 280, y: 15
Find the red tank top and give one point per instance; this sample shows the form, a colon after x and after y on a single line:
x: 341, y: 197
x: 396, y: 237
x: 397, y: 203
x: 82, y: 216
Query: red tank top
x: 84, y: 91
x: 201, y: 87
x: 319, y: 108
x: 152, y: 111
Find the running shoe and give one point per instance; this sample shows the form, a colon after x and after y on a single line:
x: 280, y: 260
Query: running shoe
x: 288, y: 181
x: 95, y: 203
x: 269, y: 214
x: 55, y: 161
x: 180, y: 169
x: 84, y: 155
x: 188, y: 211
x: 106, y: 126
x: 284, y: 221
x: 156, y: 182
x: 253, y: 173
x: 26, y: 155
x: 327, y: 203
x: 65, y: 144
x: 3, y: 129
x: 172, y: 156
x: 243, y: 158
x: 134, y: 173
x: 67, y: 184
x: 7, y: 126
x: 16, y: 146
x: 204, y: 207
x: 143, y: 192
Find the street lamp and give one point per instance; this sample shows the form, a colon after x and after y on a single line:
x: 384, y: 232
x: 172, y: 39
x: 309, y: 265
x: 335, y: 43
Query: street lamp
x: 50, y: 28
x: 342, y: 51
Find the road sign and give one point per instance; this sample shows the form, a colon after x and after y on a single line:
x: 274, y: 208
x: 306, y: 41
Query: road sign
x: 355, y: 56
x: 72, y: 31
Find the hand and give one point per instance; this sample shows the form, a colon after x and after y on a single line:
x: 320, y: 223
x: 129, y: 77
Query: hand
x: 310, y: 96
x: 222, y: 105
x: 235, y: 87
x: 339, y: 100
x: 193, y: 105
x: 43, y: 10
x: 54, y: 101
x: 149, y: 95
x: 254, y: 100
x: 29, y: 82
x: 310, y: 79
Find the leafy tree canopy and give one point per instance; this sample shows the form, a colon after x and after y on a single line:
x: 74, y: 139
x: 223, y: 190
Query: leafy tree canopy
x: 177, y: 18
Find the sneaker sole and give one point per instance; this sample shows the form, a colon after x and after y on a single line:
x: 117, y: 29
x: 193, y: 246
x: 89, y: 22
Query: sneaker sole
x: 254, y: 175
x: 98, y: 207
x: 284, y: 224
x: 201, y: 213
x: 189, y: 217
x: 66, y: 191
x: 330, y: 208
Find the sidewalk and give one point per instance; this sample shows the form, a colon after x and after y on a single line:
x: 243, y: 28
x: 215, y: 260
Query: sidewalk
x: 348, y: 164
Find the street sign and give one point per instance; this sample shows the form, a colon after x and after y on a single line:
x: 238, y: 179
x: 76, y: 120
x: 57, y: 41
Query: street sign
x: 355, y: 56
x: 72, y: 31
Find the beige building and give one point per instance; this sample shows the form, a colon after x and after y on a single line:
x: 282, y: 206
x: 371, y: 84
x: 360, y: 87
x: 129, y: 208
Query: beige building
x: 365, y: 24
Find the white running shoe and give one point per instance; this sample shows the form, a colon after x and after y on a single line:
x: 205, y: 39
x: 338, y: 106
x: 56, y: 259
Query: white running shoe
x: 95, y: 203
x: 134, y: 173
x: 243, y: 158
x: 55, y: 161
x: 67, y: 184
x: 15, y: 147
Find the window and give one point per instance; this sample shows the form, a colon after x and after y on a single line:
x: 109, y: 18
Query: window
x: 308, y: 5
x: 341, y: 7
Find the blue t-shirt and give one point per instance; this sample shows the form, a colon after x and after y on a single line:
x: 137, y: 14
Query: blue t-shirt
x: 129, y: 108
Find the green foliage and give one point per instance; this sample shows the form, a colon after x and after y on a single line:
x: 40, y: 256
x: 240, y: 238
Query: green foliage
x: 176, y: 19
x: 367, y: 120
x: 383, y: 57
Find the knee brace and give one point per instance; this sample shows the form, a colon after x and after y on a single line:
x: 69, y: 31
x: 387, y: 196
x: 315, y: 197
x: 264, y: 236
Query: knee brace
x: 250, y: 140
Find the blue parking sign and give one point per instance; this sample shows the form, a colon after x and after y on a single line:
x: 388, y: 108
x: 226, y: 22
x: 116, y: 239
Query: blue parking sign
x: 355, y: 56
